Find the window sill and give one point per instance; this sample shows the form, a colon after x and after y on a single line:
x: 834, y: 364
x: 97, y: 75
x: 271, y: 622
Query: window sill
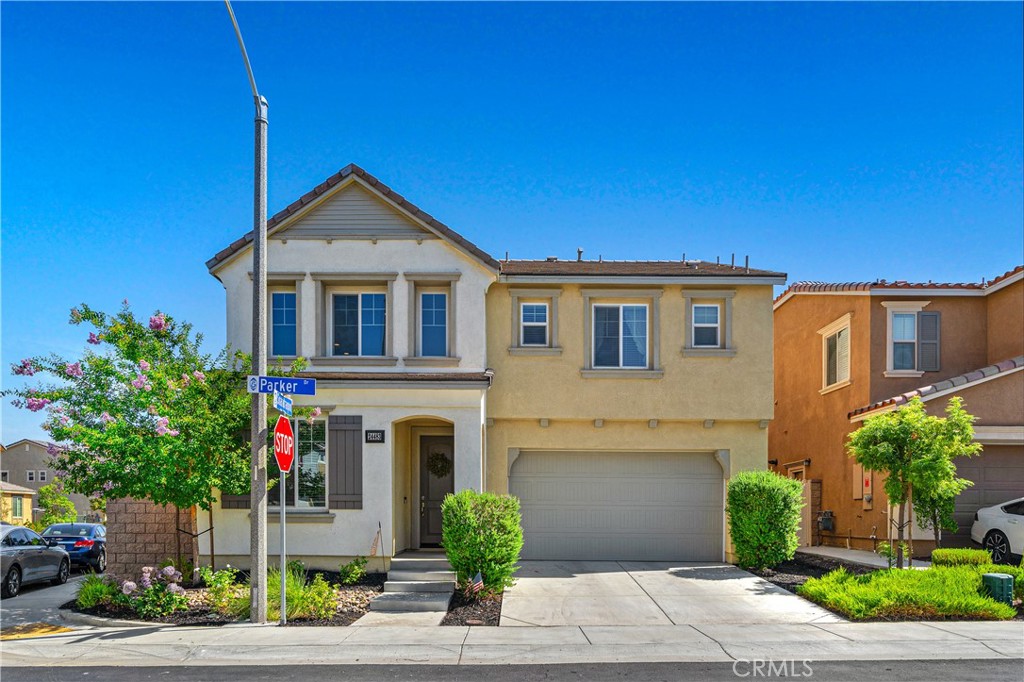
x: 709, y: 352
x: 902, y: 373
x: 535, y: 350
x: 377, y: 360
x: 835, y: 387
x: 299, y: 515
x: 420, y: 361
x: 622, y: 373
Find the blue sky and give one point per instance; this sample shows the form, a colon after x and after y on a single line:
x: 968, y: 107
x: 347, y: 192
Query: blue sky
x: 830, y: 141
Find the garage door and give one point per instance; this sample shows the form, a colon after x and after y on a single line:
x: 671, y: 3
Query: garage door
x: 650, y: 506
x: 998, y: 476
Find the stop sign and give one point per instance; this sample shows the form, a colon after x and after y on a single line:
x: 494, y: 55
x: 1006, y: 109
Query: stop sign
x: 284, y: 443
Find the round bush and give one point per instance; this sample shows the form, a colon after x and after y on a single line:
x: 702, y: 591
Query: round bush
x: 764, y: 516
x: 482, y: 532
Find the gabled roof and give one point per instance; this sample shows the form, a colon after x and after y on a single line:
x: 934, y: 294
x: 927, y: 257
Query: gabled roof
x: 648, y: 268
x: 41, y: 443
x: 938, y: 389
x: 11, y: 488
x: 324, y: 189
x: 883, y: 287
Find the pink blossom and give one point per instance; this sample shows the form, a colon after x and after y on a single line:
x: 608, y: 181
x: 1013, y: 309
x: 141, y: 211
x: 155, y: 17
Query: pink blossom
x: 200, y: 377
x: 124, y: 301
x: 36, y: 404
x: 185, y: 379
x: 158, y: 322
x: 76, y: 315
x: 313, y: 415
x: 64, y: 421
x: 152, y: 409
x: 73, y: 369
x: 108, y: 486
x: 52, y: 449
x: 25, y: 368
x: 162, y: 429
x: 149, y: 387
x: 106, y: 418
x: 93, y: 339
x: 139, y: 381
x: 144, y: 366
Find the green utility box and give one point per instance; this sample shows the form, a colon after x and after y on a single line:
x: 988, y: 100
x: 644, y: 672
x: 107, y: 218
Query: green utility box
x: 999, y: 586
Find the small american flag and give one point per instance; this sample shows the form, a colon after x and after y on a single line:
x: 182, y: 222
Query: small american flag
x: 477, y: 584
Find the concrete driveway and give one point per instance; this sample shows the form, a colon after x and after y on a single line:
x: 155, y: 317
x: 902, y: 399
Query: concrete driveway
x: 38, y: 602
x: 649, y: 593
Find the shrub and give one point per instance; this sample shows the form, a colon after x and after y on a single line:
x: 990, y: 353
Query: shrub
x: 296, y: 565
x: 482, y: 532
x: 353, y: 571
x: 94, y: 591
x: 321, y: 601
x: 890, y: 553
x: 221, y: 587
x: 158, y: 593
x: 305, y: 600
x: 764, y: 516
x: 942, y: 592
x: 961, y: 557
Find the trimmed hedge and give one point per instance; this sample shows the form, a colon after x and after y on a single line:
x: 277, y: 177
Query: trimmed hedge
x: 764, y: 516
x: 482, y: 532
x: 961, y: 557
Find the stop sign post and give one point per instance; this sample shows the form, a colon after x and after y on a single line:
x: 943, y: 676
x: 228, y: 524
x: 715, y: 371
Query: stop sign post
x: 284, y: 453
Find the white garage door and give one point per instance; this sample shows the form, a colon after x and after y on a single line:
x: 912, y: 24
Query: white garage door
x: 643, y: 506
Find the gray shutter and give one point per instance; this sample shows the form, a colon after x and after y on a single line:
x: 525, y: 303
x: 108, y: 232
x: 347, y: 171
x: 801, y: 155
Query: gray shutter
x: 234, y: 501
x: 928, y: 342
x: 345, y: 462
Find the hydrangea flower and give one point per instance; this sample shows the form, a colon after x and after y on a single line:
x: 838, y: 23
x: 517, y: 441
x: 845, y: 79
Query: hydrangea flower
x: 128, y: 587
x: 93, y: 339
x: 169, y: 571
x: 175, y: 588
x: 24, y: 369
x: 158, y: 322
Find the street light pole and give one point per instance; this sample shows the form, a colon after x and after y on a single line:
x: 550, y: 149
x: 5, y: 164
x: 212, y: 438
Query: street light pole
x: 258, y: 482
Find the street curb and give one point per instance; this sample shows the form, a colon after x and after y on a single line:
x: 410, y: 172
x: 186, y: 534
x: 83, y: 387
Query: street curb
x: 69, y: 616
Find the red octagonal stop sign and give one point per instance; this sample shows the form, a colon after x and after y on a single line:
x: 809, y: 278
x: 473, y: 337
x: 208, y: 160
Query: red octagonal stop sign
x: 284, y: 443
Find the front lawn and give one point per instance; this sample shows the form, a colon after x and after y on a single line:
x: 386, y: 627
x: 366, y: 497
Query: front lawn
x: 938, y: 593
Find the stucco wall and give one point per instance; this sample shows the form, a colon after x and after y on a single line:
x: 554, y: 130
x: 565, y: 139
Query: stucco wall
x: 999, y: 402
x: 25, y: 456
x: 1006, y: 323
x: 552, y: 387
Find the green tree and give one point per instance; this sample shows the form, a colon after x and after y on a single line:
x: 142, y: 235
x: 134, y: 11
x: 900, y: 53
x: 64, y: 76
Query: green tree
x: 915, y: 452
x: 55, y: 505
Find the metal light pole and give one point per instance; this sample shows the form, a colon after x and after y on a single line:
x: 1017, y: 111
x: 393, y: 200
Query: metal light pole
x: 258, y: 494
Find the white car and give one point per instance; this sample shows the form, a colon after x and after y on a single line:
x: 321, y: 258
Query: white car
x: 1000, y: 529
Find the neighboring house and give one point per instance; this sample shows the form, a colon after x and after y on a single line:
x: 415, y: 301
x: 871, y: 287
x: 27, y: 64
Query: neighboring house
x: 845, y: 352
x: 614, y: 398
x: 28, y: 464
x: 15, y: 503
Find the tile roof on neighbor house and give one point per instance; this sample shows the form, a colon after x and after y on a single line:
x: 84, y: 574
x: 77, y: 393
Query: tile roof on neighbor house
x: 353, y: 170
x: 649, y: 268
x: 960, y: 381
x: 886, y: 286
x: 11, y: 488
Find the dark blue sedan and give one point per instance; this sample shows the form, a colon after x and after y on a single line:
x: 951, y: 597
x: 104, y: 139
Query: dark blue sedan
x: 85, y: 543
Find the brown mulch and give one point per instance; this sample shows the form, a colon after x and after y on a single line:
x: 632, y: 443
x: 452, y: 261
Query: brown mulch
x: 793, y: 573
x: 463, y: 610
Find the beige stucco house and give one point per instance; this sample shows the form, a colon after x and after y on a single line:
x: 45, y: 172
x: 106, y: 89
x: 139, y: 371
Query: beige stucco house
x: 27, y: 463
x: 614, y: 398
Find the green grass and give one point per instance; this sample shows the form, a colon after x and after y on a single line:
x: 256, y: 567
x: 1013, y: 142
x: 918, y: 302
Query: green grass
x: 315, y: 599
x: 939, y: 592
x: 95, y: 590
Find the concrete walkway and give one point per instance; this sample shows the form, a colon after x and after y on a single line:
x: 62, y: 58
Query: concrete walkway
x: 616, y: 593
x: 271, y: 645
x: 855, y: 556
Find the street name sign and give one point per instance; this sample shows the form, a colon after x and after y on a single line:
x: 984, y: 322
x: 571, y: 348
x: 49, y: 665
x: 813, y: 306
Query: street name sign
x: 283, y: 404
x: 286, y: 385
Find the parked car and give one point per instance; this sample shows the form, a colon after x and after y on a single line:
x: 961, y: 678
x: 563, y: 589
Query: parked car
x: 25, y: 557
x: 1000, y: 530
x: 85, y: 543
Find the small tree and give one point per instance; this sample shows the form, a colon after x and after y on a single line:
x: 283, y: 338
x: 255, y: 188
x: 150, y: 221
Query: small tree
x: 764, y: 517
x: 55, y: 505
x: 915, y: 452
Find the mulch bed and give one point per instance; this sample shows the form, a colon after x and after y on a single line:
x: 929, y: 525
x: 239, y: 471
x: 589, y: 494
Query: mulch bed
x: 353, y: 603
x: 794, y: 573
x: 470, y: 611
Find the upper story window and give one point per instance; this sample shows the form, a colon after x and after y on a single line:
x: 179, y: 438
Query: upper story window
x: 706, y: 326
x: 433, y: 324
x: 358, y: 322
x: 620, y: 336
x: 835, y: 354
x: 5, y: 476
x: 707, y: 331
x: 30, y: 476
x: 283, y: 323
x: 534, y: 324
x: 912, y: 339
x: 42, y: 475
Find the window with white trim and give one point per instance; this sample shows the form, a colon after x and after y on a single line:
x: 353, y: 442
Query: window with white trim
x: 706, y: 325
x: 835, y: 353
x: 5, y: 476
x: 433, y: 324
x: 283, y: 323
x: 42, y: 476
x: 904, y: 340
x: 358, y: 324
x: 620, y: 336
x: 306, y: 483
x: 912, y: 338
x: 30, y: 476
x: 533, y: 324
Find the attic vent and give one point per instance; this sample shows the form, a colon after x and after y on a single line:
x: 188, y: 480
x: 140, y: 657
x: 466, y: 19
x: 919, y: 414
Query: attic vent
x: 552, y: 259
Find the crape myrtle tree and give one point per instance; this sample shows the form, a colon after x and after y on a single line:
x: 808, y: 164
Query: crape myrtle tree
x: 915, y: 452
x: 144, y: 413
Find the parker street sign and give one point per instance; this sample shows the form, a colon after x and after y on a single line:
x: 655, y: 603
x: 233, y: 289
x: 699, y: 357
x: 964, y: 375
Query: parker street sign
x: 284, y: 385
x: 283, y: 404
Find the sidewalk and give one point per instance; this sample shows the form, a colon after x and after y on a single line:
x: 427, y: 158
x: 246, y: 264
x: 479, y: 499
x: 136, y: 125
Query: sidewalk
x: 855, y: 556
x: 270, y: 645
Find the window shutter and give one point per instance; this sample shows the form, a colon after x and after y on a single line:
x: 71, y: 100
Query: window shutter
x: 928, y: 342
x: 234, y: 501
x: 345, y: 462
x: 843, y: 355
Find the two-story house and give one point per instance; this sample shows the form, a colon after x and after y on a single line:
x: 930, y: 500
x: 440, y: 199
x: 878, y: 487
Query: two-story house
x: 614, y: 398
x: 847, y: 351
x: 27, y: 463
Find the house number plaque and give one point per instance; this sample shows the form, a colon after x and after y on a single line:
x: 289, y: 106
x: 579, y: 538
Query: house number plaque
x: 374, y: 436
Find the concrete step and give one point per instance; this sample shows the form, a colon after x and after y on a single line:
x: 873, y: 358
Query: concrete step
x: 411, y: 601
x: 399, y: 575
x: 419, y: 586
x: 420, y: 564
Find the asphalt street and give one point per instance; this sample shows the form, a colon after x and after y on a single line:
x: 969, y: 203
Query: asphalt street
x: 825, y: 671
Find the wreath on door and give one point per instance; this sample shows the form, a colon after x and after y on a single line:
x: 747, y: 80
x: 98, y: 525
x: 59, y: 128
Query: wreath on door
x: 438, y: 464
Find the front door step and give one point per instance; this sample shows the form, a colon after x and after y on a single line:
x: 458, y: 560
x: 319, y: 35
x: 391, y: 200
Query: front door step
x: 411, y: 601
x: 420, y: 576
x: 420, y: 586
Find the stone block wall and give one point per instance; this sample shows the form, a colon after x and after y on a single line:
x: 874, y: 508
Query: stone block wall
x: 140, y: 533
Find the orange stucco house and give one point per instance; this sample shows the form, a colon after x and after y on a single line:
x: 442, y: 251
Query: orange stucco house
x: 845, y: 352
